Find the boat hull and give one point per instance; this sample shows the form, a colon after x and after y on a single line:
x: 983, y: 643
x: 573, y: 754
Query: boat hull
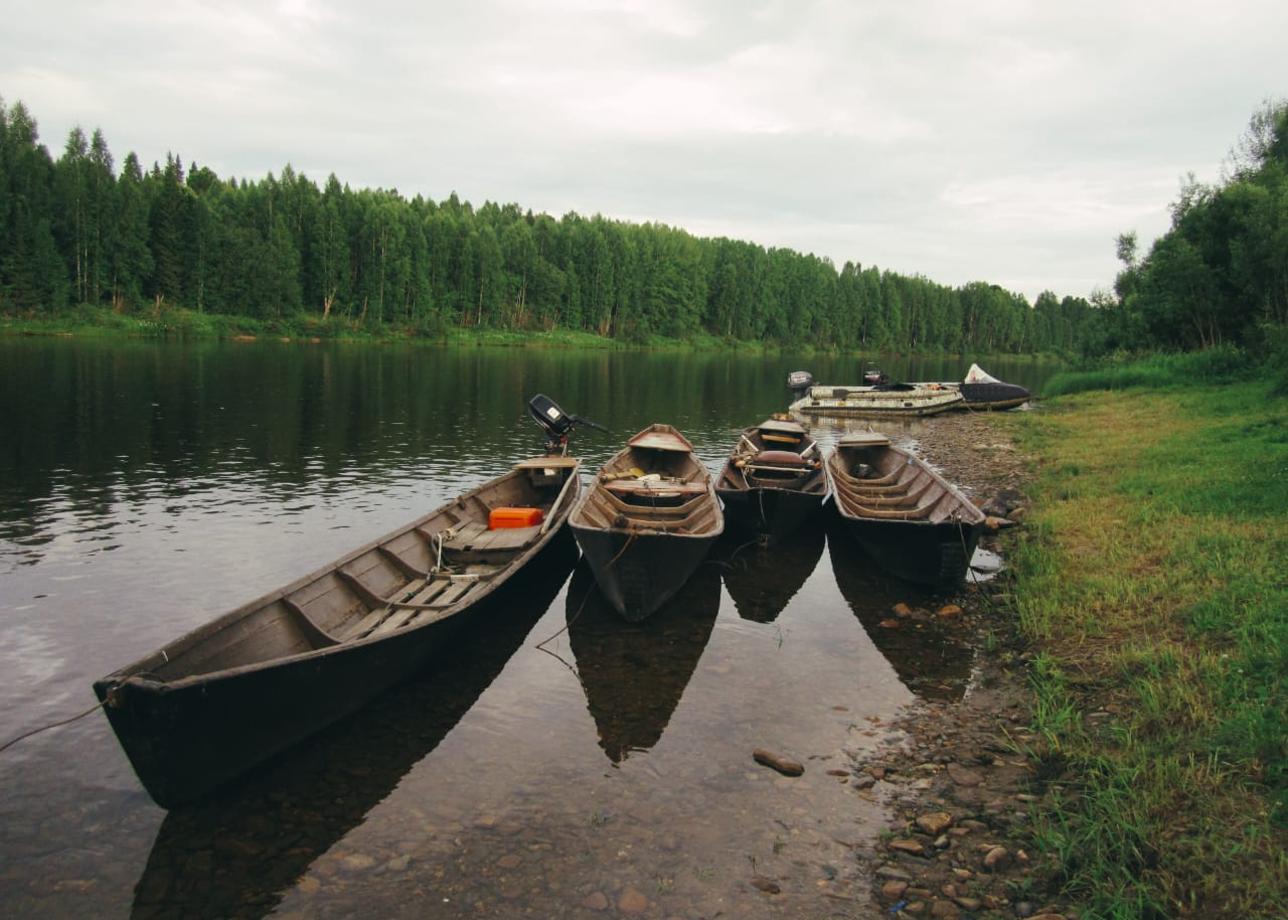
x: 773, y: 514
x: 185, y: 740
x: 639, y: 572
x: 930, y: 554
x: 867, y: 401
x: 994, y: 396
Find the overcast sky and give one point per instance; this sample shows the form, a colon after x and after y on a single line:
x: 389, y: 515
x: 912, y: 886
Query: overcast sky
x: 1001, y: 141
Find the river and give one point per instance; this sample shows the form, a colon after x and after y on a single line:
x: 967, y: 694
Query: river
x: 147, y: 486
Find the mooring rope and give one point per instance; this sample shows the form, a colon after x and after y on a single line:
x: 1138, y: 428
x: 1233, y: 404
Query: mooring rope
x: 43, y: 728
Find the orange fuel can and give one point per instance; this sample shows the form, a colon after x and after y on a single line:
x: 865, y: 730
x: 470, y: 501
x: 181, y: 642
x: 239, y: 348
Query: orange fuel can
x: 503, y: 518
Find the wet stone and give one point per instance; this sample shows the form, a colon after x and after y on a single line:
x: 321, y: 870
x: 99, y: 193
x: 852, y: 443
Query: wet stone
x: 997, y: 858
x: 906, y: 845
x: 893, y: 890
x: 357, y: 862
x: 632, y: 901
x: 962, y: 776
x: 768, y: 886
x: 935, y: 822
x: 784, y: 765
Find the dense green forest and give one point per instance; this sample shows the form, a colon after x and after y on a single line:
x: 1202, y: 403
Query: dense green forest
x: 1219, y: 276
x: 76, y: 230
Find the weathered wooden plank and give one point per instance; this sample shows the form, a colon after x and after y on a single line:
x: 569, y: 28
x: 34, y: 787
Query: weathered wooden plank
x: 392, y: 622
x: 455, y: 592
x: 409, y: 570
x: 364, y: 625
x: 430, y: 591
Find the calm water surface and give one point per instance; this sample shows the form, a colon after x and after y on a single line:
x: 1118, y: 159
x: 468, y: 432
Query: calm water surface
x: 561, y: 755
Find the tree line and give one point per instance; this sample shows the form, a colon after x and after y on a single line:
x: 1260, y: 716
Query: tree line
x: 76, y: 230
x: 1219, y: 275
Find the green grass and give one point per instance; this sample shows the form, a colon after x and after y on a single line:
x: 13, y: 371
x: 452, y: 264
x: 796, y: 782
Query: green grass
x: 1160, y: 371
x: 1153, y: 581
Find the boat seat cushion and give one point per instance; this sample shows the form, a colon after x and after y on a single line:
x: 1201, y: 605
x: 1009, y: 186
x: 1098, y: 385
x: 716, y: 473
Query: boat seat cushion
x: 779, y: 458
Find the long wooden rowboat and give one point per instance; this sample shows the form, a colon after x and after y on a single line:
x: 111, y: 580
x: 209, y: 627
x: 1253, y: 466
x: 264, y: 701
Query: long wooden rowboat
x: 910, y: 519
x: 210, y: 705
x: 773, y: 480
x: 648, y: 521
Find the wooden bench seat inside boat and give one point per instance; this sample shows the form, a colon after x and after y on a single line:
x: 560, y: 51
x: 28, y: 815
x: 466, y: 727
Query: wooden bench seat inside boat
x: 668, y: 493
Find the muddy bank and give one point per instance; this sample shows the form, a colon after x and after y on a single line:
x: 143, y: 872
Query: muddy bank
x: 956, y: 773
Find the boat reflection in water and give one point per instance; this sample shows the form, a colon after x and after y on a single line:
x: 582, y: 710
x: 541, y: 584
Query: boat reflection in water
x: 239, y: 852
x: 932, y: 657
x: 762, y: 580
x: 634, y: 673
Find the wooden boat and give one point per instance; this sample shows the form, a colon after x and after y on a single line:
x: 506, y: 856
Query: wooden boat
x: 208, y: 706
x: 881, y: 399
x: 904, y: 514
x: 773, y: 480
x: 244, y: 848
x: 648, y: 521
x: 634, y: 673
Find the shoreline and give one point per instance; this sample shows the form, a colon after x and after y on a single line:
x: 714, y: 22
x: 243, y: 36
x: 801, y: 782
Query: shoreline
x: 1119, y: 751
x: 180, y: 324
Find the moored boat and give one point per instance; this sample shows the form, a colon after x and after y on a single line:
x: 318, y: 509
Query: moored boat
x: 648, y: 521
x: 981, y: 390
x: 228, y: 695
x: 881, y: 399
x: 773, y: 480
x: 907, y: 516
x: 289, y: 812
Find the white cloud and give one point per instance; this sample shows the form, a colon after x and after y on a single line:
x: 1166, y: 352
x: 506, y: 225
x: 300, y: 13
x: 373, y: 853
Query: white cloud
x: 1003, y: 140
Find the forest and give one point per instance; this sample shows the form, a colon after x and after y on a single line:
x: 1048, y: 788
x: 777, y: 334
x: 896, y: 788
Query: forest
x: 1219, y: 276
x: 78, y: 230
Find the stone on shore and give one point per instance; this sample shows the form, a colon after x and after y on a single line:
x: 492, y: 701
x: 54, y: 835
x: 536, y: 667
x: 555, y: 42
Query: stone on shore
x: 784, y: 765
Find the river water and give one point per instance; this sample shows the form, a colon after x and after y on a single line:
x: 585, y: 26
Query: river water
x: 561, y: 763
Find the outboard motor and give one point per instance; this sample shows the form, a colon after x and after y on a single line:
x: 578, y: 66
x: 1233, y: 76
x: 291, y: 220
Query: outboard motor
x: 799, y: 383
x: 557, y: 423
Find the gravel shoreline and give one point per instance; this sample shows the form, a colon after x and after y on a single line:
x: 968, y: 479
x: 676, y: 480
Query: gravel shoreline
x: 960, y: 776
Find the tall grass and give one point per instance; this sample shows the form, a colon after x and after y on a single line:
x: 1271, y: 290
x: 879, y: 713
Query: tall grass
x: 1153, y: 582
x: 1225, y: 364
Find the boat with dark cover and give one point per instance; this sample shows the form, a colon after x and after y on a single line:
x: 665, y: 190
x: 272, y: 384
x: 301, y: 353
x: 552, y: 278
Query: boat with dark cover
x: 907, y: 516
x: 648, y: 521
x: 773, y: 480
x: 981, y: 390
x: 226, y: 696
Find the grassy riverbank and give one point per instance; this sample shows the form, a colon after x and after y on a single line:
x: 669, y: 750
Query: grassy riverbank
x: 1151, y: 583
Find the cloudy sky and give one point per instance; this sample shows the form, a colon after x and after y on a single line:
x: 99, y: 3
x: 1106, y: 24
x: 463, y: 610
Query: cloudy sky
x: 998, y: 140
